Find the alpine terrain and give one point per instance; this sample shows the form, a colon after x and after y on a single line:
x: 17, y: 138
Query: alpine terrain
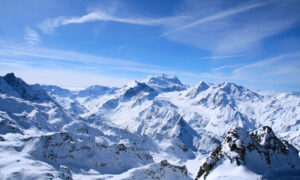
x: 158, y: 128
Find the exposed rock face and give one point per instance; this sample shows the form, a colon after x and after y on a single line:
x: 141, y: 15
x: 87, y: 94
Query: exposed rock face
x: 161, y: 171
x: 260, y: 151
x: 63, y: 149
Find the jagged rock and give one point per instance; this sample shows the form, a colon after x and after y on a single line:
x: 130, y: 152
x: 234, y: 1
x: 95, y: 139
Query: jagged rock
x: 260, y: 152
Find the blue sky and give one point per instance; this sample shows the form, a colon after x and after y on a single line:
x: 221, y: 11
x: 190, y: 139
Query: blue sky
x: 75, y: 43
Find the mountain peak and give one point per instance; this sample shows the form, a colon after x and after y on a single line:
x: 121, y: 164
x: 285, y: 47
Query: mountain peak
x: 17, y: 87
x: 240, y: 148
x: 265, y: 136
x: 229, y: 87
x: 134, y: 88
x: 10, y: 76
x: 201, y: 86
x: 166, y: 76
x: 165, y: 83
x: 12, y: 80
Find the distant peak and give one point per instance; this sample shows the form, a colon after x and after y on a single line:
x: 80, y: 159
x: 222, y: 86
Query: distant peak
x: 22, y: 90
x: 12, y: 80
x: 229, y: 87
x: 163, y: 76
x: 9, y: 76
x: 229, y: 84
x: 165, y: 83
x: 166, y: 76
x: 202, y: 85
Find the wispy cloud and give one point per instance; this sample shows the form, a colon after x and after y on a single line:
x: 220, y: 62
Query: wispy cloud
x: 219, y: 57
x: 241, y: 28
x: 45, y: 58
x: 280, y: 69
x: 218, y: 16
x: 49, y: 25
x: 211, y: 25
x: 31, y: 36
x: 225, y: 67
x: 68, y: 68
x: 21, y: 50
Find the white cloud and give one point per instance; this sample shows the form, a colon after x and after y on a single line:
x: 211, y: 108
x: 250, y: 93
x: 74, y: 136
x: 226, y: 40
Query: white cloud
x: 209, y: 25
x: 219, y: 57
x: 277, y: 70
x: 225, y: 67
x: 49, y: 25
x: 31, y: 36
x: 241, y: 28
x: 217, y: 16
x: 21, y: 50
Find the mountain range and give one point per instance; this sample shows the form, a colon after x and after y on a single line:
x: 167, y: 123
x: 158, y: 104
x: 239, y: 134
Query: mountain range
x: 157, y: 128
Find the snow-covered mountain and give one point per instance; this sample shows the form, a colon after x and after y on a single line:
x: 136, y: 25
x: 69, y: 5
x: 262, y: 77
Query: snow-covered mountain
x: 16, y: 87
x: 259, y: 154
x: 156, y: 125
x: 165, y: 83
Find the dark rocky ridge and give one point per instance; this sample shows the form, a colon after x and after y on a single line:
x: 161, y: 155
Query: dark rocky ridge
x: 10, y: 84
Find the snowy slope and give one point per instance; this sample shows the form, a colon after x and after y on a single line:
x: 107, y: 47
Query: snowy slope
x: 24, y: 106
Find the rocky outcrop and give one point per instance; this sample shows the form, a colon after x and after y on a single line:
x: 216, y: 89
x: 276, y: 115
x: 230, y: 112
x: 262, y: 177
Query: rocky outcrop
x: 161, y: 171
x: 260, y: 152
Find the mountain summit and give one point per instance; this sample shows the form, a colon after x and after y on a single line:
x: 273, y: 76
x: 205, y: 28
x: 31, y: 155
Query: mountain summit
x: 11, y: 85
x: 165, y: 83
x: 259, y: 152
